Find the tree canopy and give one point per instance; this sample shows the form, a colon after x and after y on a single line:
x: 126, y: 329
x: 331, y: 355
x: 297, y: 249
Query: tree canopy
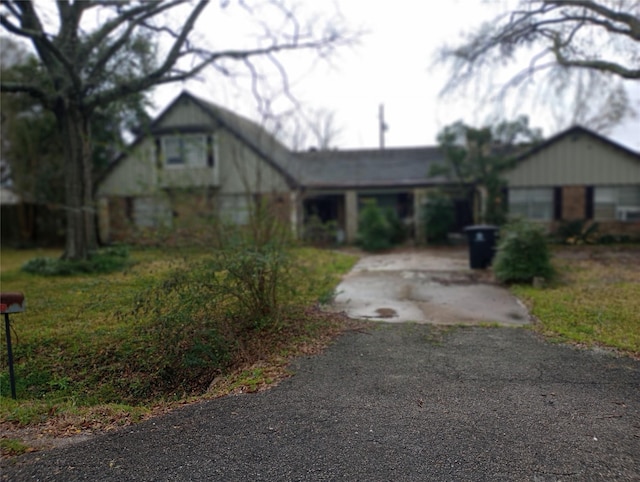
x: 476, y: 158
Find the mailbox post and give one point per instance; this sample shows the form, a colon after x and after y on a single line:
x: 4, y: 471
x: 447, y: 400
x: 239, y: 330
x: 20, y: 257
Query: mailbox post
x: 11, y: 303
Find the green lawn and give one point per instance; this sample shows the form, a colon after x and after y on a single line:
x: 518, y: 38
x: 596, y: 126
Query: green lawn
x: 83, y: 355
x: 596, y: 300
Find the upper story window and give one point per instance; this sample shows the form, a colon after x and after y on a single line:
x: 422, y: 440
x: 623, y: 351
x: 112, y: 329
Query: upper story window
x: 617, y: 202
x: 185, y: 151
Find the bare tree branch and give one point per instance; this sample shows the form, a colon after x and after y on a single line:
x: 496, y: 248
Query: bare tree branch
x: 140, y: 13
x: 32, y: 28
x: 162, y: 76
x: 569, y: 42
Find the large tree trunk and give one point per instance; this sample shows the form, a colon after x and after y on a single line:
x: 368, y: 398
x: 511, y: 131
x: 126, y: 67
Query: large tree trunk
x: 81, y: 237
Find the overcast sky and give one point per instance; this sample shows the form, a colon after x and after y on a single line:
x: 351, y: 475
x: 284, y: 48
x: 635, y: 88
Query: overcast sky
x: 393, y: 66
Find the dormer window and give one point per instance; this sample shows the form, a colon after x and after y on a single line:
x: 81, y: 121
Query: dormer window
x: 185, y: 151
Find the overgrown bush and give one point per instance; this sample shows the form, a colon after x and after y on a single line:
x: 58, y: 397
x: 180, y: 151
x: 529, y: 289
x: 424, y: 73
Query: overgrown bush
x: 398, y: 231
x: 182, y: 330
x: 201, y: 317
x: 318, y: 233
x: 439, y: 216
x: 579, y: 231
x: 375, y: 232
x: 522, y: 254
x: 104, y: 260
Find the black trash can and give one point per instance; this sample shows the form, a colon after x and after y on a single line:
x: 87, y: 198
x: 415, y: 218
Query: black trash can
x: 482, y: 245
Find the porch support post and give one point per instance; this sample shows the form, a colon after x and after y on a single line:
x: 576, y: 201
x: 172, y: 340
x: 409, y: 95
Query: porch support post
x: 351, y: 215
x: 419, y: 201
x: 294, y: 214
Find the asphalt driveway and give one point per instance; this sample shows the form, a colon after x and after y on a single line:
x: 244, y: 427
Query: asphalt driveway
x: 394, y: 402
x: 420, y: 398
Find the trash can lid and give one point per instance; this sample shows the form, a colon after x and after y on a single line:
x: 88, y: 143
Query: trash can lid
x: 477, y: 227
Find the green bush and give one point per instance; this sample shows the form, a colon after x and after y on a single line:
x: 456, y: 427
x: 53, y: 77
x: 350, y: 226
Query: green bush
x: 318, y: 233
x: 398, y: 231
x: 375, y: 232
x: 256, y: 278
x: 522, y: 254
x: 183, y: 333
x: 579, y: 231
x: 102, y: 261
x: 439, y: 216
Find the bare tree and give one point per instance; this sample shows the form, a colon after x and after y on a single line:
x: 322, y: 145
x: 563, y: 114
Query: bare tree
x: 585, y: 46
x: 80, y: 63
x: 306, y: 128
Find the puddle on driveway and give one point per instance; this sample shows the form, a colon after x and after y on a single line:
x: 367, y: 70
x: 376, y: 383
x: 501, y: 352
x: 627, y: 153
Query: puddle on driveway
x: 424, y: 287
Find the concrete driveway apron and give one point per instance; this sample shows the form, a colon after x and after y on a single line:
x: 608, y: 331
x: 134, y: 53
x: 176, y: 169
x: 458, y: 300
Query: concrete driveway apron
x: 426, y: 286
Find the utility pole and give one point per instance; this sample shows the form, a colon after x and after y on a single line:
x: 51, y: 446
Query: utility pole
x: 382, y: 125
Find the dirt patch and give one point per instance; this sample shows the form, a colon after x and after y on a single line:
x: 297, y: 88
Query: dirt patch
x: 386, y: 312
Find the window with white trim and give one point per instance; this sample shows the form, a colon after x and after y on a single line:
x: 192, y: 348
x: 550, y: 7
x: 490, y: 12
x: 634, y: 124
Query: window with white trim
x: 620, y: 203
x: 531, y: 203
x: 185, y: 151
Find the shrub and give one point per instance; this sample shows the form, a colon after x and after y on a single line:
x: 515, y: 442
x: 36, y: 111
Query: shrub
x: 320, y: 233
x: 195, y: 323
x: 398, y: 231
x: 522, y: 254
x: 438, y: 215
x: 579, y: 231
x: 102, y: 261
x: 183, y: 333
x: 616, y: 239
x: 375, y: 233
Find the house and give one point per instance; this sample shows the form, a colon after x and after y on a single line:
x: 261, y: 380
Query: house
x: 199, y: 162
x: 577, y: 175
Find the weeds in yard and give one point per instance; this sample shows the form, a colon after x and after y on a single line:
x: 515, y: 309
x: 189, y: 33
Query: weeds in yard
x: 96, y: 351
x: 10, y: 447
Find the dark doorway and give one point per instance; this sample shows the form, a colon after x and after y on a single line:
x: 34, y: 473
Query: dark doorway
x: 327, y: 207
x: 463, y: 214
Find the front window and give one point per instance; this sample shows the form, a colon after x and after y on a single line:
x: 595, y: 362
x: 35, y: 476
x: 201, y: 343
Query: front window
x: 185, y: 151
x: 617, y: 203
x: 535, y: 204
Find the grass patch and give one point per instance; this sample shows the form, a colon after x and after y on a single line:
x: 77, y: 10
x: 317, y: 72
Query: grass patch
x: 11, y: 447
x: 596, y: 300
x: 87, y: 359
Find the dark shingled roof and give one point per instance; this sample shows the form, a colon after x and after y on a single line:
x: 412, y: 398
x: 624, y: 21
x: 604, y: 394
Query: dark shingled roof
x: 369, y: 168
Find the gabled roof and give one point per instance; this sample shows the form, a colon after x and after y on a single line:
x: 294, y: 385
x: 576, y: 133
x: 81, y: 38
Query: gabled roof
x: 250, y: 133
x: 575, y: 131
x: 369, y: 168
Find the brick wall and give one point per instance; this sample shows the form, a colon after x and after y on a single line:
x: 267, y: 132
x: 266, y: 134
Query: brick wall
x: 573, y: 202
